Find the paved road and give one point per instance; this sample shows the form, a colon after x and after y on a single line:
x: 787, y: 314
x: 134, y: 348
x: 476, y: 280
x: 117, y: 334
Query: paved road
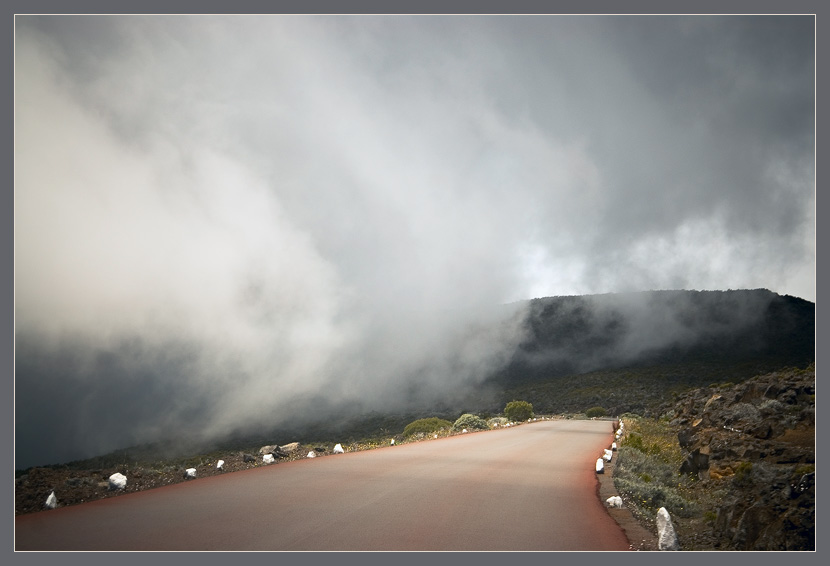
x: 531, y: 487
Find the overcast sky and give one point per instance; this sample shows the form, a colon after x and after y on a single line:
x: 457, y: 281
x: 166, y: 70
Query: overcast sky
x: 218, y: 216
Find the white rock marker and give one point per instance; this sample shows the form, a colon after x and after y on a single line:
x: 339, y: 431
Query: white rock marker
x: 614, y: 501
x: 311, y: 454
x: 338, y: 449
x: 393, y: 442
x: 190, y: 473
x: 606, y: 455
x: 600, y: 466
x: 118, y: 481
x: 51, y: 501
x: 220, y: 464
x: 268, y: 458
x: 666, y: 537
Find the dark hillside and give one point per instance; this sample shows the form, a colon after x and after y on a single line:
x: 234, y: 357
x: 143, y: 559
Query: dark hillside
x: 755, y: 329
x: 627, y: 353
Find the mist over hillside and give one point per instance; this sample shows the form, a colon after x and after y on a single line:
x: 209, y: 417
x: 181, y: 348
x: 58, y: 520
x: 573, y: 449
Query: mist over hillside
x: 580, y: 334
x: 623, y: 351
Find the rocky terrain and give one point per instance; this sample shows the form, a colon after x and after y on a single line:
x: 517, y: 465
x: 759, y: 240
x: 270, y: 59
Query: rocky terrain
x: 753, y: 445
x: 77, y: 484
x: 750, y: 448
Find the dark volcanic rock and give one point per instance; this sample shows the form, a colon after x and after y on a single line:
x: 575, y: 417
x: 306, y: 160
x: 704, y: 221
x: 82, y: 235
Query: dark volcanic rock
x: 757, y: 438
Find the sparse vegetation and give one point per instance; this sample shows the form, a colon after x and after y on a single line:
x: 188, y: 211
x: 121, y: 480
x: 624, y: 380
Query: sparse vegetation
x: 743, y: 474
x: 646, y: 473
x: 518, y: 410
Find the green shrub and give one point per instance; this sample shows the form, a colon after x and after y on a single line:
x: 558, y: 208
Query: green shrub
x: 518, y: 410
x: 470, y: 422
x: 635, y: 441
x: 427, y: 426
x: 595, y: 412
x: 743, y: 474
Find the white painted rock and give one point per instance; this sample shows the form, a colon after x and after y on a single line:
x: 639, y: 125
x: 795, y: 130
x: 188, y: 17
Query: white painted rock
x: 220, y: 464
x: 268, y: 458
x: 464, y: 430
x: 434, y: 436
x: 393, y: 442
x: 311, y: 454
x: 600, y: 466
x: 606, y: 455
x: 338, y: 449
x: 118, y: 481
x: 613, y: 446
x: 614, y: 501
x: 190, y: 473
x: 666, y: 537
x: 51, y: 501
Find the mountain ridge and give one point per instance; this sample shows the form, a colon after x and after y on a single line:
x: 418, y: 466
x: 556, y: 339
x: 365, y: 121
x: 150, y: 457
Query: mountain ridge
x: 625, y: 352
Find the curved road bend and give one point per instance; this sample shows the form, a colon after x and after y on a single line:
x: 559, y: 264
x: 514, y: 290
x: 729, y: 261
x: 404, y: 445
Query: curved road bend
x: 531, y: 487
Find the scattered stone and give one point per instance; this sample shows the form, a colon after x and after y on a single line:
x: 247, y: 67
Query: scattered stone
x: 291, y: 447
x: 274, y: 450
x: 248, y: 458
x: 117, y: 481
x: 220, y: 464
x: 51, y: 501
x: 338, y: 449
x: 615, y: 501
x: 190, y: 473
x: 268, y: 458
x: 666, y: 537
x: 311, y: 454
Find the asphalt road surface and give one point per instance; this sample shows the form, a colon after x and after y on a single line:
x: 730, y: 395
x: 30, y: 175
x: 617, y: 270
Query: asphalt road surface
x: 531, y: 487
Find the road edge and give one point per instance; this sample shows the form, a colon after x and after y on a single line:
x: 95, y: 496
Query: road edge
x: 639, y: 538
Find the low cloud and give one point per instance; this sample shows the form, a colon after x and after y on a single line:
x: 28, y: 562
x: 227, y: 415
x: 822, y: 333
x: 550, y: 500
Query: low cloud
x: 218, y: 216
